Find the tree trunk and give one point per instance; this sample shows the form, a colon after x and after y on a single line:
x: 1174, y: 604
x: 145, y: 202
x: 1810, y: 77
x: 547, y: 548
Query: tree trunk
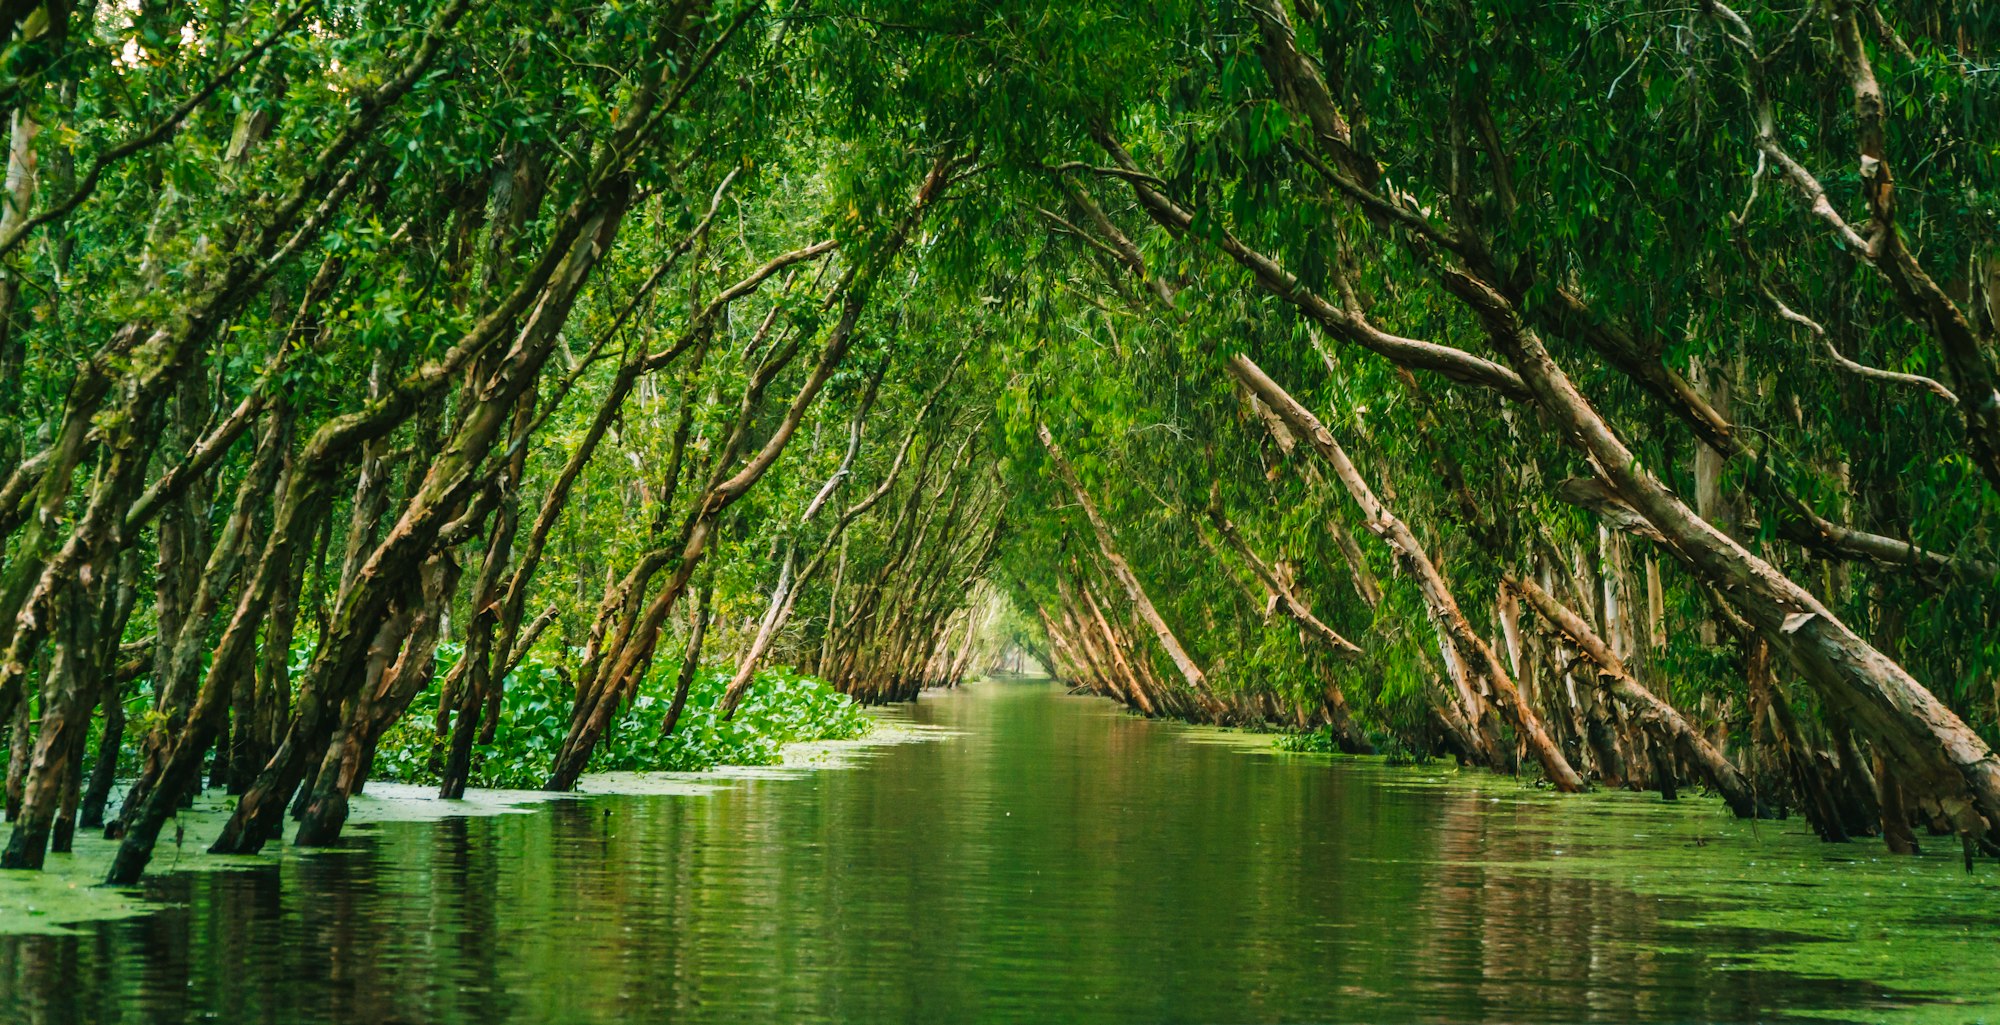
x: 1135, y: 592
x: 1669, y: 725
x: 1438, y: 598
x: 704, y: 611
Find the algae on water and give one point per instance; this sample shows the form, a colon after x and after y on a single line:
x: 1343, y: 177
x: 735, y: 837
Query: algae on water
x: 1918, y: 926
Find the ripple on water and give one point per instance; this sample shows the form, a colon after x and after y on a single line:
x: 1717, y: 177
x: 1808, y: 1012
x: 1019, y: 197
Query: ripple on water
x: 1054, y: 861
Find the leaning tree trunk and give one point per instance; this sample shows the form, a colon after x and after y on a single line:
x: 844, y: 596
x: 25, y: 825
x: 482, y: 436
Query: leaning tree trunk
x: 1345, y: 733
x: 1949, y: 767
x: 1438, y: 599
x: 1659, y: 715
x: 1952, y: 770
x: 592, y: 223
x: 1135, y: 592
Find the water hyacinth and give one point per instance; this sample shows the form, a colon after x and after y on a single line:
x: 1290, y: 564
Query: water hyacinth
x: 782, y: 707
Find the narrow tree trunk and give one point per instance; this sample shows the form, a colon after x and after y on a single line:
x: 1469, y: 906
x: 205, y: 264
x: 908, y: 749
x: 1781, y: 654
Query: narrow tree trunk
x: 1667, y: 722
x: 1438, y: 598
x: 1135, y: 592
x: 704, y: 611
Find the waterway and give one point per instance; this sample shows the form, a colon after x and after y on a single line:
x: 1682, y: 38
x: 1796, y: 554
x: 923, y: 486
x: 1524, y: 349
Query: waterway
x: 1036, y: 857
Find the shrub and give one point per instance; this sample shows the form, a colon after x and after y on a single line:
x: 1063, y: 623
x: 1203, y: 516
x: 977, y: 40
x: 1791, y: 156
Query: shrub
x: 782, y: 707
x: 1314, y: 741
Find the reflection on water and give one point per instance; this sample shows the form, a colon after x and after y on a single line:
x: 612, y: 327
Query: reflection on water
x: 1055, y: 862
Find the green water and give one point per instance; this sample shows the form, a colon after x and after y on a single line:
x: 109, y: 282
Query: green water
x: 1051, y: 860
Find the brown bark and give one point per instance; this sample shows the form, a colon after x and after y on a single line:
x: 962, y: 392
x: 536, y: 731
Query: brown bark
x: 785, y: 598
x: 444, y: 490
x: 630, y: 659
x: 1943, y: 760
x: 104, y: 767
x: 1946, y: 761
x: 472, y: 678
x: 1896, y: 831
x: 1882, y: 247
x: 1666, y: 722
x: 1438, y: 598
x: 1286, y: 600
x: 166, y: 354
x: 704, y: 613
x: 1128, y: 581
x: 1121, y: 664
x: 300, y: 508
x: 409, y: 637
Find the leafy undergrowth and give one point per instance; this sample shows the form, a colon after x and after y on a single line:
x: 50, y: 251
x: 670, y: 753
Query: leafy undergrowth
x: 1320, y: 740
x: 782, y: 707
x: 1316, y: 741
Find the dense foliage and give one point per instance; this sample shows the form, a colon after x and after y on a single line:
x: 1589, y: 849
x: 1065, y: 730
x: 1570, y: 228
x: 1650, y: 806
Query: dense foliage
x: 1600, y: 390
x: 783, y: 708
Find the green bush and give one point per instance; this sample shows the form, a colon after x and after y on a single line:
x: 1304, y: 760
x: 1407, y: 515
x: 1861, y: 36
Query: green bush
x: 1321, y: 741
x: 1315, y: 741
x: 782, y: 707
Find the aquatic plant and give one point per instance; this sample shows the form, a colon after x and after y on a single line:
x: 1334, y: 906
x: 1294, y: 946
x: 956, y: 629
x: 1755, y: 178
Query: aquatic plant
x: 781, y: 707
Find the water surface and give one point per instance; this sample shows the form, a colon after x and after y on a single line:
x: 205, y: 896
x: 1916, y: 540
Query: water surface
x: 1054, y: 860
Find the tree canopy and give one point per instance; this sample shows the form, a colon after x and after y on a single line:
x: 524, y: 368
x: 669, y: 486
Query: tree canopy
x: 1600, y: 390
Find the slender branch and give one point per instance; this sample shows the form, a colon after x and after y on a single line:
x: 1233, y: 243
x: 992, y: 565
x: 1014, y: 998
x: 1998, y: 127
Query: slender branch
x: 159, y: 133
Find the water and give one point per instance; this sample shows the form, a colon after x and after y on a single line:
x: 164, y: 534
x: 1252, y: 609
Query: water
x: 1054, y: 861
